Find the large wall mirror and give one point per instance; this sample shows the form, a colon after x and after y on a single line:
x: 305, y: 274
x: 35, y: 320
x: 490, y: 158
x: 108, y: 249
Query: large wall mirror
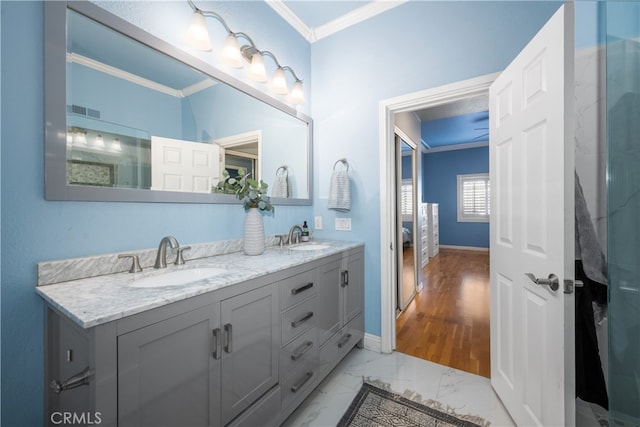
x: 131, y: 118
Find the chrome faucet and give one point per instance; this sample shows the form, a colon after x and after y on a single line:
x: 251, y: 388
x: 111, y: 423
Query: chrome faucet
x: 292, y: 233
x: 161, y: 257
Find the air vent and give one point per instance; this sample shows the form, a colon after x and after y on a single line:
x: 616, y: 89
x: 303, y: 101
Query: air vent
x: 76, y: 109
x: 83, y: 111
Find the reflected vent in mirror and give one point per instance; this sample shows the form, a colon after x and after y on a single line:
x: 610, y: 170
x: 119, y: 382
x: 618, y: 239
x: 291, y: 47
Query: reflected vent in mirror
x: 83, y: 111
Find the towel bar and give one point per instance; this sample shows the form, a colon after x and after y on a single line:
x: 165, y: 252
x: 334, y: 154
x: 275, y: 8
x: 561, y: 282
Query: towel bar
x: 343, y: 161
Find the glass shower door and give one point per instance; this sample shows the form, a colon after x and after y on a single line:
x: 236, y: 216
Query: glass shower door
x: 623, y: 168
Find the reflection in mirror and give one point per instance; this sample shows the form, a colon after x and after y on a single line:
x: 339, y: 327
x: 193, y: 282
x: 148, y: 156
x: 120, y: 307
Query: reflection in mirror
x: 139, y: 119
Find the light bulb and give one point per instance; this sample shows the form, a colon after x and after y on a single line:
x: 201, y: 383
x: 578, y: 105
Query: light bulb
x: 197, y: 33
x: 115, y: 145
x: 231, y: 52
x: 297, y: 93
x: 79, y: 138
x: 257, y: 70
x: 99, y: 141
x: 279, y: 82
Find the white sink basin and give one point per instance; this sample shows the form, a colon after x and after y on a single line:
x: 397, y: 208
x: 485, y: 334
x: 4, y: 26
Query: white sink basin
x: 309, y: 247
x: 180, y: 277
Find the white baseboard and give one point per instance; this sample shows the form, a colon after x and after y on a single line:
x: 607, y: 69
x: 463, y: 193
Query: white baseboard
x: 372, y: 342
x: 465, y: 248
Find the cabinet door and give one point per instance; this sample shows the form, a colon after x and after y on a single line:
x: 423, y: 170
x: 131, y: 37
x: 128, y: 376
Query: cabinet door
x: 250, y: 348
x: 167, y: 374
x: 353, y: 291
x: 329, y: 310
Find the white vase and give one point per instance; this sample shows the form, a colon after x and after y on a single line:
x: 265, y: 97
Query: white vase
x: 253, y: 232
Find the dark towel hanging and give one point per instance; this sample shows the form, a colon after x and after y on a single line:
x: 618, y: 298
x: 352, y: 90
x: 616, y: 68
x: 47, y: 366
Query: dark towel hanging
x: 590, y: 384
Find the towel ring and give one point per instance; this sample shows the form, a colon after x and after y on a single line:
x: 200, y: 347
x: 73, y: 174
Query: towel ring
x: 284, y: 169
x: 343, y: 161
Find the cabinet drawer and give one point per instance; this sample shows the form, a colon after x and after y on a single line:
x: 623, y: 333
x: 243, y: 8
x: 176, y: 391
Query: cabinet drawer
x: 298, y: 385
x: 335, y: 349
x: 298, y: 319
x: 297, y: 288
x: 265, y: 412
x: 300, y: 351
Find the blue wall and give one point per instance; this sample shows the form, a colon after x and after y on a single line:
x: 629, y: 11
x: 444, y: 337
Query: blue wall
x: 415, y: 46
x: 440, y: 185
x: 120, y: 101
x: 35, y: 230
x: 352, y: 70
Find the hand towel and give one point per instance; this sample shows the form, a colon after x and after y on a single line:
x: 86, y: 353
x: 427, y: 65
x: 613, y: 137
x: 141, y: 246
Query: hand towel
x: 280, y: 186
x: 339, y: 192
x: 588, y: 247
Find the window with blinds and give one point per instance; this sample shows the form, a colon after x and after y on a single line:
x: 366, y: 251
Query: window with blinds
x: 473, y: 198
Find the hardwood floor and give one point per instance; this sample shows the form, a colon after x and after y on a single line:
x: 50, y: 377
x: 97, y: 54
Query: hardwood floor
x: 448, y: 321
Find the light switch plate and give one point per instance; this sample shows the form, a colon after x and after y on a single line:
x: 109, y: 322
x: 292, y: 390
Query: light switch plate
x: 343, y: 224
x: 317, y: 223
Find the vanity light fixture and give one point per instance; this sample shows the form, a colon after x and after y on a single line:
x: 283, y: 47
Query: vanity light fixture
x: 98, y: 142
x: 116, y: 146
x: 233, y: 54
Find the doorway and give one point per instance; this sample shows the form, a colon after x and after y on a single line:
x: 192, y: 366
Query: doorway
x: 447, y: 322
x: 417, y: 101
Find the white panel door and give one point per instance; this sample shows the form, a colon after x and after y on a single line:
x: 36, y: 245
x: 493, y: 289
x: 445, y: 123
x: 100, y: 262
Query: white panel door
x: 178, y: 165
x: 532, y: 228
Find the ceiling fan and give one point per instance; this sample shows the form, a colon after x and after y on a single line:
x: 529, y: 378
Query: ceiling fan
x: 483, y: 136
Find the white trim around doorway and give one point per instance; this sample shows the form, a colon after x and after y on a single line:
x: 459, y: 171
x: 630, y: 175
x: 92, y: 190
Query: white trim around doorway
x: 387, y: 108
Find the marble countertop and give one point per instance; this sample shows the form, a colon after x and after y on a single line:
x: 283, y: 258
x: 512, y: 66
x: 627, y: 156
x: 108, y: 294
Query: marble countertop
x: 96, y: 300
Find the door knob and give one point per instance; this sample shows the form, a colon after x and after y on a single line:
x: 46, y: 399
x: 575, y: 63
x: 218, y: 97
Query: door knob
x: 552, y: 281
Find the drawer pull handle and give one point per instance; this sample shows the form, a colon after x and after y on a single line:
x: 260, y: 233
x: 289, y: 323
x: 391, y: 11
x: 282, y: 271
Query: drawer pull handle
x: 344, y: 278
x: 303, y: 319
x: 300, y: 351
x: 229, y: 345
x: 302, y: 382
x: 345, y: 339
x: 217, y: 346
x: 296, y: 291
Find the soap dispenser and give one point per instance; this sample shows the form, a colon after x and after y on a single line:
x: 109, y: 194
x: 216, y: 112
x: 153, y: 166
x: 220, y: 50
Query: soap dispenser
x: 305, y: 232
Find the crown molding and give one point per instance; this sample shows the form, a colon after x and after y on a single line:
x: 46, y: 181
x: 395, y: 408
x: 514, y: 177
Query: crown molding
x: 293, y: 19
x: 457, y: 147
x: 135, y: 79
x: 354, y: 17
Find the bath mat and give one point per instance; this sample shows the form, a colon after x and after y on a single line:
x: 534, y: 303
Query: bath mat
x: 380, y: 408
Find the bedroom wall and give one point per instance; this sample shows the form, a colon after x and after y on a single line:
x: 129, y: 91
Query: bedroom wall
x: 440, y: 171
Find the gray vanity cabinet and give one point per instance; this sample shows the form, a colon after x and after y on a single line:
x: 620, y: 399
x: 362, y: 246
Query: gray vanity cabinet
x: 166, y: 372
x: 203, y: 367
x: 352, y: 284
x: 250, y: 348
x: 242, y: 355
x: 341, y: 320
x: 329, y: 318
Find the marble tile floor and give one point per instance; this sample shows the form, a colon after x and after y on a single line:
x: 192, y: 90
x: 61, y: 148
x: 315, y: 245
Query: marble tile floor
x: 464, y: 392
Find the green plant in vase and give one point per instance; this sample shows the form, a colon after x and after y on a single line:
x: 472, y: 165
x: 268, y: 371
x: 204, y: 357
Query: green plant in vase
x: 250, y: 191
